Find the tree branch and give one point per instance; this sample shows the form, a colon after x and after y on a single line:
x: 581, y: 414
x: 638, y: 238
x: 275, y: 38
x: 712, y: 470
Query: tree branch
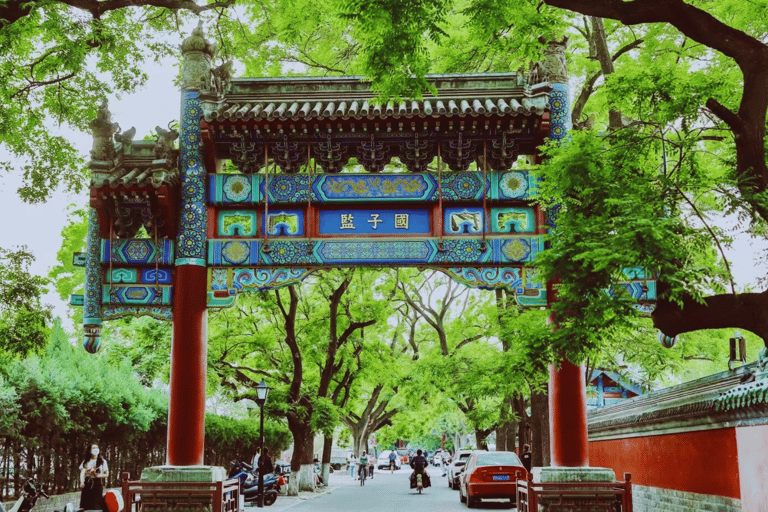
x: 13, y: 11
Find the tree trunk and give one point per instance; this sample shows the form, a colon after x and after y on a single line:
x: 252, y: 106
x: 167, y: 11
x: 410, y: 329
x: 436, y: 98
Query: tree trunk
x: 606, y: 64
x: 520, y: 405
x: 301, y: 460
x: 539, y: 430
x: 505, y: 433
x: 327, y: 447
x: 480, y: 437
x: 363, y: 442
x: 359, y: 432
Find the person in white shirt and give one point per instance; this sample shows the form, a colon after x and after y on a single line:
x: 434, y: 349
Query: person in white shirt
x: 93, y: 471
x: 353, y: 466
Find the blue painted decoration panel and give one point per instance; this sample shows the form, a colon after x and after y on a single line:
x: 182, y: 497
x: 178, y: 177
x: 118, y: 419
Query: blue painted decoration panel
x: 141, y: 276
x: 513, y: 220
x: 514, y: 185
x: 286, y: 188
x: 147, y: 295
x: 137, y: 251
x: 374, y: 222
x: 463, y: 221
x: 283, y: 223
x: 393, y: 187
x: 158, y: 276
x: 233, y: 252
x: 237, y: 223
x: 164, y: 313
x: 232, y: 189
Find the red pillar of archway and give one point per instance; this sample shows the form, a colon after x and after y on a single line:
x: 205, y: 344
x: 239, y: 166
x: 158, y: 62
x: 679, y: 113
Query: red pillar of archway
x: 568, y: 416
x: 189, y: 348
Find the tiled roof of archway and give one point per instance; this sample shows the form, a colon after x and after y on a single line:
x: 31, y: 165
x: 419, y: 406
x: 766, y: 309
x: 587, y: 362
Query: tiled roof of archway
x: 311, y: 98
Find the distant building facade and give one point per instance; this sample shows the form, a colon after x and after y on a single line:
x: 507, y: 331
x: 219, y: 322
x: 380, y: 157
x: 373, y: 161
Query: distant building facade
x: 607, y: 388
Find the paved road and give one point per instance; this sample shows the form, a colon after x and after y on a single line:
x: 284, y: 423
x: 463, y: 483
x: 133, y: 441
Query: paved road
x: 389, y: 493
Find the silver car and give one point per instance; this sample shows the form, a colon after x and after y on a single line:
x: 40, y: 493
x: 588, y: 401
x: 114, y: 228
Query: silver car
x: 454, y: 468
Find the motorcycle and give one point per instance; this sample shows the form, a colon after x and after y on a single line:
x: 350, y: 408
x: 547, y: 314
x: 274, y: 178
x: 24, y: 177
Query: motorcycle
x: 420, y: 481
x: 30, y: 493
x: 249, y: 483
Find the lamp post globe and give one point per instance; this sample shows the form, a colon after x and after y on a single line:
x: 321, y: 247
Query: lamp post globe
x: 262, y: 391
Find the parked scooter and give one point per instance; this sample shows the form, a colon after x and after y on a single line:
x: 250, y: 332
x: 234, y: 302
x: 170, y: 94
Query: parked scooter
x: 249, y: 483
x: 30, y: 493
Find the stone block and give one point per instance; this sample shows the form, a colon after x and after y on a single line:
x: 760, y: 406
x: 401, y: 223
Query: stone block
x: 576, y: 502
x: 585, y: 474
x: 192, y: 502
x: 184, y: 474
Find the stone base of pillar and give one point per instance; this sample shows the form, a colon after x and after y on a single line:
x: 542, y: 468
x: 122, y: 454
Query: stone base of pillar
x: 199, y: 500
x: 588, y: 502
x: 184, y: 474
x: 584, y: 474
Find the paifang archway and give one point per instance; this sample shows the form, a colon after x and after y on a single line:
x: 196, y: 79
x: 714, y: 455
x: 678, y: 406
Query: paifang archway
x: 455, y: 204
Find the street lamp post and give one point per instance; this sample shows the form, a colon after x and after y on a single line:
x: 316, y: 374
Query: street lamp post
x: 262, y: 391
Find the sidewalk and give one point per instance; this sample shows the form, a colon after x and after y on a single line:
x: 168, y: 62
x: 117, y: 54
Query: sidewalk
x: 285, y: 502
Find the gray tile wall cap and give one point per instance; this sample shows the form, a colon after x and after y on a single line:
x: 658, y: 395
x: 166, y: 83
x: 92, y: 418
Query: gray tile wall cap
x: 705, y: 399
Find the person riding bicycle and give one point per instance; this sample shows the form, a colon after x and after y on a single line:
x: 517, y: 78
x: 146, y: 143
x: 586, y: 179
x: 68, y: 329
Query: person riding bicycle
x: 393, y: 459
x: 363, y: 460
x: 419, y: 465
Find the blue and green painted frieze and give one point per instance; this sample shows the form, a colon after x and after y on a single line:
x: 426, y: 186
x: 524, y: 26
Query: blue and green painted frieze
x: 239, y: 189
x: 373, y: 252
x: 225, y: 283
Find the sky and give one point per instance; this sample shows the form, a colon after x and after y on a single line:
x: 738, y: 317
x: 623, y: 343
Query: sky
x: 39, y: 226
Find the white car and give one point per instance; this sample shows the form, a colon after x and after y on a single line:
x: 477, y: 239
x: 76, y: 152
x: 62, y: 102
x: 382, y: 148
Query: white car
x: 454, y: 468
x: 383, y: 461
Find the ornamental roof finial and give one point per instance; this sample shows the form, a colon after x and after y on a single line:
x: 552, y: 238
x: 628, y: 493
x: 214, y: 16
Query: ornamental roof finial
x: 196, y: 42
x: 552, y: 67
x: 197, y: 54
x: 103, y: 129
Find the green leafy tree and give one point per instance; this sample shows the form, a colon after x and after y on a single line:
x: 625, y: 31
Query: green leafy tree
x: 61, y: 59
x: 456, y: 346
x: 23, y: 316
x: 305, y: 340
x: 687, y: 120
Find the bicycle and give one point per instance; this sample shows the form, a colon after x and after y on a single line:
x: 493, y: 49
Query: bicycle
x: 363, y: 473
x: 392, y: 466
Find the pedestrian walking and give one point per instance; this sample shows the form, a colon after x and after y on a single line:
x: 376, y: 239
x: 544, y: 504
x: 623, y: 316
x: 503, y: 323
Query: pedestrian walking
x: 526, y: 457
x: 353, y: 466
x: 93, y: 471
x: 265, y: 464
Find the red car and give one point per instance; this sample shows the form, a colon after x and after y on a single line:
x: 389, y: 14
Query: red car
x: 490, y: 475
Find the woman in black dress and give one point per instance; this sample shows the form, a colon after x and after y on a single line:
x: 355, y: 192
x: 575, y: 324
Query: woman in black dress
x: 93, y: 471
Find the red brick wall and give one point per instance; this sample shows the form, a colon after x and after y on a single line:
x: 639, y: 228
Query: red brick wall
x: 703, y: 462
